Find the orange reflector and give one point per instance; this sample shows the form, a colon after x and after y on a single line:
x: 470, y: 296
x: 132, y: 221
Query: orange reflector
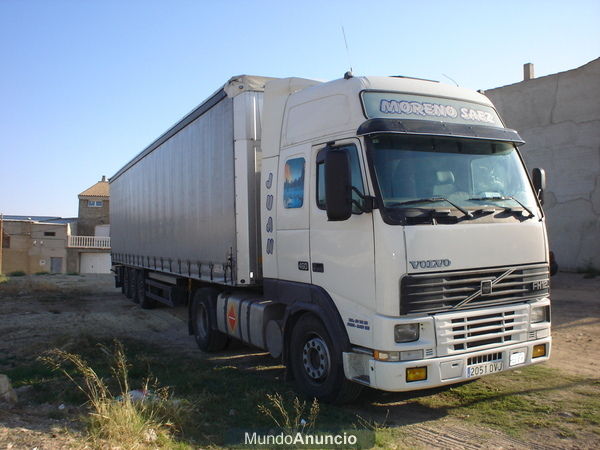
x: 416, y: 374
x: 539, y: 350
x: 381, y: 356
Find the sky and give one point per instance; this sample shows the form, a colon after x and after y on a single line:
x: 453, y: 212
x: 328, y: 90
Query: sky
x: 85, y: 85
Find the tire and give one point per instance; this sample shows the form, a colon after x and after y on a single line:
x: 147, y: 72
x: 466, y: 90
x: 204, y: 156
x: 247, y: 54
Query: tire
x: 122, y: 278
x: 140, y: 289
x: 118, y: 277
x: 203, y: 317
x: 553, y: 265
x: 127, y: 282
x: 317, y: 368
x: 131, y: 278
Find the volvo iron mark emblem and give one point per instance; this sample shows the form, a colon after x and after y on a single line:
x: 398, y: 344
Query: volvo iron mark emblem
x: 486, y: 287
x: 430, y: 263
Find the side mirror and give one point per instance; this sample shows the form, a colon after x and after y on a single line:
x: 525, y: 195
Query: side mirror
x: 538, y: 177
x: 338, y: 193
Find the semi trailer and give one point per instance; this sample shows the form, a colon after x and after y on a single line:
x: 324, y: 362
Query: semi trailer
x: 367, y: 231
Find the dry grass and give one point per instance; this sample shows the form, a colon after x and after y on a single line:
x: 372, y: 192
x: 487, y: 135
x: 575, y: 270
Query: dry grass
x: 37, y: 286
x: 117, y: 418
x: 288, y: 418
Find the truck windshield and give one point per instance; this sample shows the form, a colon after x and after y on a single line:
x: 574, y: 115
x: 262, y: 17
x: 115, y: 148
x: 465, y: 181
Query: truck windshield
x: 429, y: 172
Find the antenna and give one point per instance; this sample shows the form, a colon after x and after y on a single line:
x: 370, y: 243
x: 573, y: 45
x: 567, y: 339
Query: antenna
x: 451, y: 79
x: 347, y: 49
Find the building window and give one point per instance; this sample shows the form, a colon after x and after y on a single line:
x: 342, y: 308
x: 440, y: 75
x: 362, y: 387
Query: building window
x: 5, y: 241
x: 49, y: 233
x: 95, y: 203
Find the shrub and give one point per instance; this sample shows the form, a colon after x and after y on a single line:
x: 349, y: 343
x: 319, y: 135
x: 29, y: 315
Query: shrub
x: 17, y: 273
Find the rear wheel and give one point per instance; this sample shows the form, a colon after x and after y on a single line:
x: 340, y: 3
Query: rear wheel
x: 128, y: 281
x: 123, y: 280
x: 131, y: 284
x: 204, y: 321
x: 316, y: 365
x: 135, y: 274
x: 144, y: 301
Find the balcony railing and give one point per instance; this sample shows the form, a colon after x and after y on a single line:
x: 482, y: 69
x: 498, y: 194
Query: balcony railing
x: 89, y: 242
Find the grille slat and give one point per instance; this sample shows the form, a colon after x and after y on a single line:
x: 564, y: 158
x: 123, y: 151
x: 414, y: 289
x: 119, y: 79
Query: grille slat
x: 476, y: 330
x: 479, y: 337
x: 517, y: 317
x: 443, y: 291
x: 450, y: 282
x: 490, y: 357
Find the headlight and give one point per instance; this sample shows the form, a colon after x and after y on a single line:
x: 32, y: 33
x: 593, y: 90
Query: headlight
x: 407, y: 332
x: 540, y: 314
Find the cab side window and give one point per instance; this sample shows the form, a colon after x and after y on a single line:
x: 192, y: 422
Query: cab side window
x: 355, y: 174
x: 293, y: 186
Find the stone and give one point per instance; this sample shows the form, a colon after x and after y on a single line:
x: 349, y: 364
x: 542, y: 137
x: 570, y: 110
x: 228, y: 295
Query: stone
x: 7, y: 393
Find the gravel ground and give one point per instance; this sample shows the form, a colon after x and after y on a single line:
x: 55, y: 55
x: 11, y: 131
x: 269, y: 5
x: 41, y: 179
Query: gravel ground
x: 37, y: 309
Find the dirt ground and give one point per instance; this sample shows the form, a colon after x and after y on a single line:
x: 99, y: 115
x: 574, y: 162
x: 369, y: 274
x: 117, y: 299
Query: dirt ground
x: 29, y: 322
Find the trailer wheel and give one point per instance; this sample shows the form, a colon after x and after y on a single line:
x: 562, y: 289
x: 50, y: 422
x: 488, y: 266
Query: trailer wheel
x: 140, y: 288
x: 318, y: 370
x: 131, y: 284
x: 125, y: 275
x: 135, y: 274
x: 204, y: 321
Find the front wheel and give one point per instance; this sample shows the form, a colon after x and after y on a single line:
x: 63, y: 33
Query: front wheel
x: 204, y: 321
x: 317, y: 368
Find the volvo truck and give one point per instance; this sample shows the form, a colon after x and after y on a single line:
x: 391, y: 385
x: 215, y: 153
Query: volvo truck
x: 367, y: 231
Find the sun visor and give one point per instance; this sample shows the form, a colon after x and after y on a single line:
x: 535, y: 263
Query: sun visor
x: 436, y: 128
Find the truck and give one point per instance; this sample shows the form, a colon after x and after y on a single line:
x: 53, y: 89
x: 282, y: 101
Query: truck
x: 367, y: 231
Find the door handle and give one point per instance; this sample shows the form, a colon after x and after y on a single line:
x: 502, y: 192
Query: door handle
x: 318, y: 267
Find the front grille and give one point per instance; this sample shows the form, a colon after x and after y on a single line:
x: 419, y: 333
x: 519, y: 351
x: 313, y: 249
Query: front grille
x: 490, y: 357
x: 474, y: 330
x: 444, y: 291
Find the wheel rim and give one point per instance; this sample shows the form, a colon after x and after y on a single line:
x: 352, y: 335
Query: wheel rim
x: 202, y: 321
x: 315, y: 358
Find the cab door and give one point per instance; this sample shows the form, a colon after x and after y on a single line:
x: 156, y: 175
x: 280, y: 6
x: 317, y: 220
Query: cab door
x: 342, y: 253
x: 292, y: 239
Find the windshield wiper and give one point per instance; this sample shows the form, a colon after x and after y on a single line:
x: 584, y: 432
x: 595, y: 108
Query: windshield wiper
x: 505, y: 197
x: 433, y: 200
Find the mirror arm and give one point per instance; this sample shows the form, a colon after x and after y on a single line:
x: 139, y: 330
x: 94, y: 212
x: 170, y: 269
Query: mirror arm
x: 369, y: 201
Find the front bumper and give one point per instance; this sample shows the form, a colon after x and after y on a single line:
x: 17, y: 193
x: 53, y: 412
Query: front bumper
x: 391, y: 376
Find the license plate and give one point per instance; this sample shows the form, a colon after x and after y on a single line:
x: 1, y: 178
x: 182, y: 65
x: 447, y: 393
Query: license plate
x: 480, y: 370
x: 517, y: 358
